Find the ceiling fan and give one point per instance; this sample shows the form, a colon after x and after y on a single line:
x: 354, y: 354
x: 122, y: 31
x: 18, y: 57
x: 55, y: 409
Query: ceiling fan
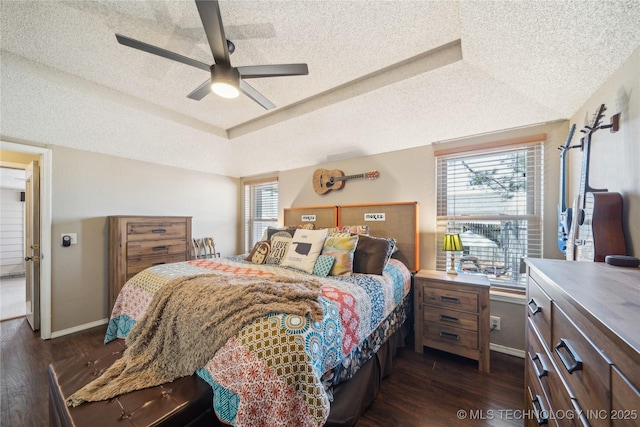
x: 226, y: 81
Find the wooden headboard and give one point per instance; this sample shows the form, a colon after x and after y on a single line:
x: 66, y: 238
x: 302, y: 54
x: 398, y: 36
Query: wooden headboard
x: 319, y: 216
x: 398, y: 220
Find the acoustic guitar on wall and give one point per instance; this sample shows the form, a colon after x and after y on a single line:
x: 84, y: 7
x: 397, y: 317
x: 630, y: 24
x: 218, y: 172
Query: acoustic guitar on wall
x: 596, y: 229
x: 325, y: 180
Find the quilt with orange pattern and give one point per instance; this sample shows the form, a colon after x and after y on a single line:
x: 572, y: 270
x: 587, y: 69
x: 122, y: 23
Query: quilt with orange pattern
x: 279, y: 369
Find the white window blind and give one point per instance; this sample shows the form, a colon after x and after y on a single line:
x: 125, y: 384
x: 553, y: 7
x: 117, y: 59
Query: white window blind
x: 260, y: 209
x: 493, y: 199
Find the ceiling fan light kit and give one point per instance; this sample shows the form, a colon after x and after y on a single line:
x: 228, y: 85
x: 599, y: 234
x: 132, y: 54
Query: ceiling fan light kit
x: 226, y: 81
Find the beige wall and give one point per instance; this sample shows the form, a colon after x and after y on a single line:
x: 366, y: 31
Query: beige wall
x: 409, y: 175
x: 615, y: 157
x: 87, y: 187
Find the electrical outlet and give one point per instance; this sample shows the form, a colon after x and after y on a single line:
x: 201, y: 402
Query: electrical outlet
x: 495, y: 323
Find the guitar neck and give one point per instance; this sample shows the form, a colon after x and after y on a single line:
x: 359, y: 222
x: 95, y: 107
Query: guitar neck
x: 563, y: 167
x: 346, y: 177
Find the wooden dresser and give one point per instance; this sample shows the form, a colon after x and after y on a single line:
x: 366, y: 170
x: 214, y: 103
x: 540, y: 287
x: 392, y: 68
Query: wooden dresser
x: 452, y: 314
x: 582, y: 362
x: 139, y: 242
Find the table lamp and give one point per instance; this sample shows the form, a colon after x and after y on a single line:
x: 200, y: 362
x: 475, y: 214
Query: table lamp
x: 452, y: 243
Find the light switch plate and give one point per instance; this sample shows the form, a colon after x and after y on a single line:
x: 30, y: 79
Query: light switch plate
x: 74, y: 237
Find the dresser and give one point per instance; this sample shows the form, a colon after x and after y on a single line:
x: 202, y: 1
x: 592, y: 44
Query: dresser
x: 582, y: 362
x: 139, y: 242
x: 452, y: 314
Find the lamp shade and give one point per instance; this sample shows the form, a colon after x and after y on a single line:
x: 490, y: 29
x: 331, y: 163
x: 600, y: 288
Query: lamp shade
x: 452, y: 242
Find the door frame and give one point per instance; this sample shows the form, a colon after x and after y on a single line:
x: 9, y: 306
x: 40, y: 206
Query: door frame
x: 46, y: 163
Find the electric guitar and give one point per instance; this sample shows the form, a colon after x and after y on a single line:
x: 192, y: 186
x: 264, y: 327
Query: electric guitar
x: 564, y: 213
x: 325, y: 180
x: 596, y: 230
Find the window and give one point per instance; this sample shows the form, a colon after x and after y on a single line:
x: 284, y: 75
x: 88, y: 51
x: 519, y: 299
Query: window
x: 260, y: 209
x: 493, y: 198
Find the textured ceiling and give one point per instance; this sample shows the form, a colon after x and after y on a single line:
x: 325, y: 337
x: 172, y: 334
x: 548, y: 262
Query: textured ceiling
x: 383, y: 75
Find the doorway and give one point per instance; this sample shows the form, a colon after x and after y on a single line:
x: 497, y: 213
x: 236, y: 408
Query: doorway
x: 12, y: 265
x: 8, y: 153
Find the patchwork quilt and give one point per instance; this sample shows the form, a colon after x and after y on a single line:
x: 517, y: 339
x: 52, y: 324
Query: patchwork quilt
x: 279, y: 369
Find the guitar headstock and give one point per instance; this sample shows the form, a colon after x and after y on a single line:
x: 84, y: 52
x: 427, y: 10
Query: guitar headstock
x: 372, y: 175
x: 597, y: 118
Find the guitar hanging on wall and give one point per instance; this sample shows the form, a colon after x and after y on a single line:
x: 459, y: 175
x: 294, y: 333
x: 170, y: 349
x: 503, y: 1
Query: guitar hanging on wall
x: 325, y: 180
x: 596, y: 229
x: 564, y: 213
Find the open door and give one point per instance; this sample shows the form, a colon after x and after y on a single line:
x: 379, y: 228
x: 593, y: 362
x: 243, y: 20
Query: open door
x: 32, y: 243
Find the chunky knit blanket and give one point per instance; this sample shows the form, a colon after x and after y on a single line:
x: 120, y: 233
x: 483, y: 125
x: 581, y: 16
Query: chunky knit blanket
x: 188, y: 320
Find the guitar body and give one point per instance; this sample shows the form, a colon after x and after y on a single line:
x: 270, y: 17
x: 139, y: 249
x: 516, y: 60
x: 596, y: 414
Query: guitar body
x: 564, y: 226
x: 324, y: 180
x: 599, y: 230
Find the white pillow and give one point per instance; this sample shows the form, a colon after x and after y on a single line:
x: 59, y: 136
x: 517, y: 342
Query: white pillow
x: 304, y: 249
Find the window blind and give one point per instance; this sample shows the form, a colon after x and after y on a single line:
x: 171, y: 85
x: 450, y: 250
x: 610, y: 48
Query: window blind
x: 260, y: 210
x: 493, y: 199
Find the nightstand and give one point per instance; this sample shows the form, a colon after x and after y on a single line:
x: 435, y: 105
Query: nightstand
x: 452, y: 314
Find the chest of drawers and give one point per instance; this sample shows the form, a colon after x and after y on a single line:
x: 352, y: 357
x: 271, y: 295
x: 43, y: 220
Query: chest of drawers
x: 139, y: 242
x: 452, y: 314
x: 582, y: 362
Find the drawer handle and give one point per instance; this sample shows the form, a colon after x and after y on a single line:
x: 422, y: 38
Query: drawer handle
x: 531, y: 304
x: 445, y: 318
x: 576, y: 363
x: 542, y: 371
x: 159, y: 230
x: 159, y: 263
x: 450, y: 335
x: 454, y: 300
x: 160, y: 248
x: 542, y: 415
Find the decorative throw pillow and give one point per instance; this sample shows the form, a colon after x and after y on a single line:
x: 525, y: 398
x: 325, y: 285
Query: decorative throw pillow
x: 279, y: 248
x: 354, y: 229
x: 290, y: 230
x: 323, y: 265
x: 259, y: 252
x: 304, y: 250
x: 372, y: 254
x: 342, y: 249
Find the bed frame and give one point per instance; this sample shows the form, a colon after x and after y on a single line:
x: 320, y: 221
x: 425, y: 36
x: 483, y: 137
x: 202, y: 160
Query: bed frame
x: 397, y: 219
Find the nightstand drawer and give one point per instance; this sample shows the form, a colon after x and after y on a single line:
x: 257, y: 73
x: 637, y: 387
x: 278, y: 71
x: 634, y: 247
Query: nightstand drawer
x: 451, y: 318
x: 436, y: 333
x: 451, y: 299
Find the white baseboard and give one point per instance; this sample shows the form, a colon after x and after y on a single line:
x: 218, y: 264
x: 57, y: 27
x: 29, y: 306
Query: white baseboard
x: 507, y: 350
x: 79, y: 328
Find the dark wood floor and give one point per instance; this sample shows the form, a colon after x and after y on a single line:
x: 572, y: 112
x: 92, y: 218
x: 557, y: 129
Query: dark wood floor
x: 426, y: 389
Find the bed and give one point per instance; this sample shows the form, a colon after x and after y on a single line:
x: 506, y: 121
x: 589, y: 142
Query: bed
x: 286, y: 369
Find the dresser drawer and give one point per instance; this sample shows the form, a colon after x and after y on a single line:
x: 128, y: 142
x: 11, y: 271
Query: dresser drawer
x: 156, y: 247
x: 137, y: 264
x: 584, y: 369
x: 625, y: 401
x: 451, y: 299
x: 137, y: 231
x: 451, y: 318
x: 539, y: 310
x: 434, y: 333
x: 537, y: 406
x: 538, y: 361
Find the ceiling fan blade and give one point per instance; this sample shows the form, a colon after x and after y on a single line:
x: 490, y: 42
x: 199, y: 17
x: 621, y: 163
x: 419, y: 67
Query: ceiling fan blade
x: 255, y: 71
x: 212, y: 22
x: 145, y: 47
x: 250, y: 91
x: 201, y: 91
